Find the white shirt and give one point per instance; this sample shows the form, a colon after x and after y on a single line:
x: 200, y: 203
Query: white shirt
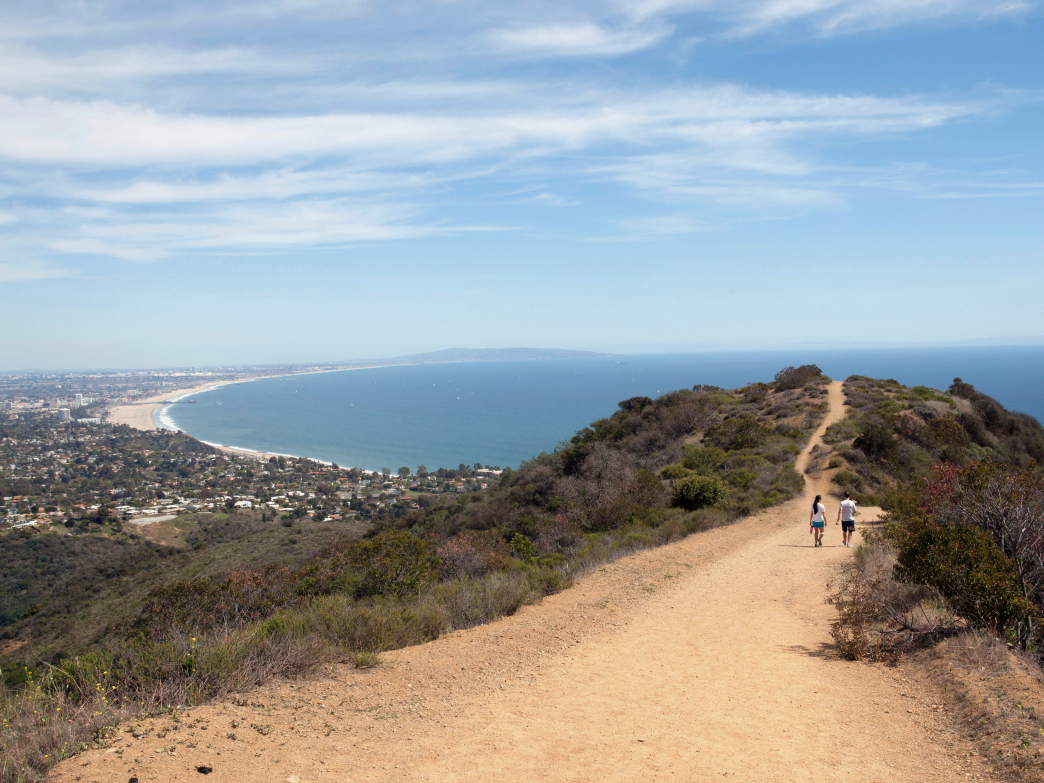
x: 848, y: 510
x: 820, y: 511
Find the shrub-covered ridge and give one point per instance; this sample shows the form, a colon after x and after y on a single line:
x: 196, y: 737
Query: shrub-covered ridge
x: 653, y: 472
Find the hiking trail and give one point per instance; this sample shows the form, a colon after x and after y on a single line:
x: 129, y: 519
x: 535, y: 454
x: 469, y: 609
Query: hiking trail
x: 704, y: 659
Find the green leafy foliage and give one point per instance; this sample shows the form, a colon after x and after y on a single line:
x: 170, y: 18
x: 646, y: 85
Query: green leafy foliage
x: 699, y: 492
x: 705, y: 461
x: 393, y: 563
x: 965, y: 566
x: 973, y: 534
x: 741, y: 432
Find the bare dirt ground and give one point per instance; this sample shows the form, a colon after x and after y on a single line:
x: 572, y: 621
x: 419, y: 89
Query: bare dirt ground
x: 707, y: 659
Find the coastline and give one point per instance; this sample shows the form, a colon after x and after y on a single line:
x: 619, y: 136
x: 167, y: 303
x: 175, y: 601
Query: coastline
x: 142, y: 415
x: 139, y: 415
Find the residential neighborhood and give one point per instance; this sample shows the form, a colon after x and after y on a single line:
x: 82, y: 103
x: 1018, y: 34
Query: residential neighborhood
x: 70, y: 473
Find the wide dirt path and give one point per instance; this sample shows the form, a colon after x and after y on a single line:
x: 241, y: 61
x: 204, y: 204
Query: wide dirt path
x: 703, y: 660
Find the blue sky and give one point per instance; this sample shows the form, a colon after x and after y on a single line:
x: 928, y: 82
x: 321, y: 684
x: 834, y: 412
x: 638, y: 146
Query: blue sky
x: 302, y: 180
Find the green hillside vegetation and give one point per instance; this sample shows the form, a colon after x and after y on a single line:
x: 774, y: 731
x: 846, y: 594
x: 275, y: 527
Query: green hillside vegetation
x: 962, y: 482
x: 894, y: 434
x: 61, y: 593
x: 637, y: 470
x: 192, y: 624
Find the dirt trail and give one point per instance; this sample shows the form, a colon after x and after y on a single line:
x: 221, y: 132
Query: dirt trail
x: 705, y: 659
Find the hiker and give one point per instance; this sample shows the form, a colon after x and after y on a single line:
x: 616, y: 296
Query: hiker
x: 818, y: 519
x: 846, y: 518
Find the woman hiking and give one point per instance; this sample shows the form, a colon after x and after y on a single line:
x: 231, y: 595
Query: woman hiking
x: 818, y: 519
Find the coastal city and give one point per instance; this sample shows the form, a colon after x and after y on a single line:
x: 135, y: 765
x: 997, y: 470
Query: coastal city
x: 66, y: 464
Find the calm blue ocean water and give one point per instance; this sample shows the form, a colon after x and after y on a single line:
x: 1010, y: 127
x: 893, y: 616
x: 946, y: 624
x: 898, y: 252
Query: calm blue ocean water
x: 501, y: 413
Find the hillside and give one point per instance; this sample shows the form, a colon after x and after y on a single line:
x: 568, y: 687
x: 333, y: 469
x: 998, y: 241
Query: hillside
x: 895, y: 435
x: 64, y: 592
x: 228, y: 616
x: 221, y: 590
x: 76, y: 588
x: 704, y: 659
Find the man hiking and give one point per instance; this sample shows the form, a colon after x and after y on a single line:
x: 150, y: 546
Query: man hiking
x: 846, y: 518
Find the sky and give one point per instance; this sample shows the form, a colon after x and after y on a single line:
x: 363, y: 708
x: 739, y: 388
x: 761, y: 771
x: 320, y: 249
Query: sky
x: 273, y: 181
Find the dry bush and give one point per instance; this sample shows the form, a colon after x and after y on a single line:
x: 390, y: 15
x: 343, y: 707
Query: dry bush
x: 880, y: 618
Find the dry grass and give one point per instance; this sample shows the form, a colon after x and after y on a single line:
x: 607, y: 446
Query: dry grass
x: 138, y: 676
x: 997, y: 697
x: 995, y: 693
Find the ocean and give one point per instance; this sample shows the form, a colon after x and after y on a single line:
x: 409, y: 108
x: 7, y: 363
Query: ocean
x: 502, y: 413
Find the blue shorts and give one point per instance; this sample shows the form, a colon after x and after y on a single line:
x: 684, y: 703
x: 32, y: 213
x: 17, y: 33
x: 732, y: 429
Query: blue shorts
x: 817, y: 524
x: 847, y: 525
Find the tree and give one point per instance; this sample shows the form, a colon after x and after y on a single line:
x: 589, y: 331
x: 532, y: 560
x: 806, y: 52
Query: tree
x: 796, y: 377
x: 404, y: 472
x: 422, y: 471
x: 386, y: 472
x: 961, y: 389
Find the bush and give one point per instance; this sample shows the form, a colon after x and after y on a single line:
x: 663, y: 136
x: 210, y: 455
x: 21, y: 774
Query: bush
x: 877, y: 442
x: 393, y: 563
x: 704, y: 461
x: 698, y: 492
x: 947, y: 432
x: 741, y: 432
x: 522, y: 548
x: 796, y: 377
x: 963, y: 564
x: 675, y: 471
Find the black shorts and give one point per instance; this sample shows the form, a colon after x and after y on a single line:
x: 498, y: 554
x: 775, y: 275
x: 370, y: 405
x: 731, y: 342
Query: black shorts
x: 847, y: 525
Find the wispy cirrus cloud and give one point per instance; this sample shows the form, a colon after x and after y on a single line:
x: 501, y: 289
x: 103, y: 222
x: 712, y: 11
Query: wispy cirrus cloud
x: 140, y: 184
x: 268, y: 147
x: 575, y: 40
x: 746, y: 125
x: 24, y: 70
x: 830, y: 17
x: 20, y: 270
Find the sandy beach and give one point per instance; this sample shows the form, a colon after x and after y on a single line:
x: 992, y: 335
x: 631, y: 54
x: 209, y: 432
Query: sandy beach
x: 139, y: 414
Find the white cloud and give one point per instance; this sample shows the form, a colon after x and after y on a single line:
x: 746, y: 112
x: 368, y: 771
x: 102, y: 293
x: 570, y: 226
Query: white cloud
x: 20, y: 271
x: 139, y: 184
x: 722, y: 117
x: 252, y: 227
x: 23, y: 70
x: 829, y: 17
x: 579, y: 39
